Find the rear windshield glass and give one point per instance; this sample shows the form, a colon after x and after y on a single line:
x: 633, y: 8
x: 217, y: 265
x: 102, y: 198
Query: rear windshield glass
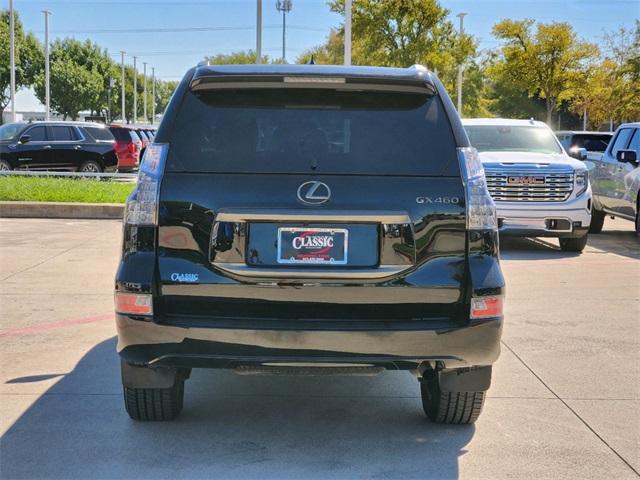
x: 593, y: 143
x: 100, y: 133
x: 305, y: 130
x: 121, y: 134
x: 494, y: 138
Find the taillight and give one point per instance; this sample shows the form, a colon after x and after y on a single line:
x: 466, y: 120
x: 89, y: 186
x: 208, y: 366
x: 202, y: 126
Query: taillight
x: 142, y: 204
x: 133, y: 303
x: 481, y: 211
x: 132, y: 147
x: 484, y: 307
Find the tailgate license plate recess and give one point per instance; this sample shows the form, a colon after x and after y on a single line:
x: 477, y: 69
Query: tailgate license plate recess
x: 317, y: 246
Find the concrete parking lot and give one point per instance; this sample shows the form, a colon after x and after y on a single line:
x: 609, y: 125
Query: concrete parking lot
x: 564, y: 404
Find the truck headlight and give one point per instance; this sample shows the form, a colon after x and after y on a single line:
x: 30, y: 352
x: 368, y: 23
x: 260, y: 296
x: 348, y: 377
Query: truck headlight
x: 582, y: 181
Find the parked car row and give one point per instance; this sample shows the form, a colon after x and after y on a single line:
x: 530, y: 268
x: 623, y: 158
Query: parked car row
x: 132, y: 142
x: 75, y: 146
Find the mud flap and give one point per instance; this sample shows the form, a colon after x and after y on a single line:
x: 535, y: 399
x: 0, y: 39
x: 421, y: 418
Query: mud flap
x: 145, y: 377
x: 476, y: 379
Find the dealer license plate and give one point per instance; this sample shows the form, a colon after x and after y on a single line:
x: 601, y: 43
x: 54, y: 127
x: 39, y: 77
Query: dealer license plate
x: 318, y: 246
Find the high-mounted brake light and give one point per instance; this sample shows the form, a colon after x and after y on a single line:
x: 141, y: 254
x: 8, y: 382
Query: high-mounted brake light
x: 314, y: 80
x: 484, y: 307
x: 481, y: 211
x: 133, y: 303
x: 143, y: 202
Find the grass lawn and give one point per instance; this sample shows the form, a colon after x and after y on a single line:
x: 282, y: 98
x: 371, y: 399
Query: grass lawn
x: 69, y: 190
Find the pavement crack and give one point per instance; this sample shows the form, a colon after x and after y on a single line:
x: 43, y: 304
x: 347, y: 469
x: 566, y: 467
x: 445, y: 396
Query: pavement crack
x: 569, y: 408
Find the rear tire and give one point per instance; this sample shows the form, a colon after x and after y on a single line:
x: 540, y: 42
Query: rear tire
x: 153, y: 404
x: 597, y: 221
x: 638, y: 223
x: 441, y: 406
x: 573, y: 244
x: 90, y: 166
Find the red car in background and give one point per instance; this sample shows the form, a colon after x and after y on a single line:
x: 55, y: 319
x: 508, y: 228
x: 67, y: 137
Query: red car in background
x: 129, y: 146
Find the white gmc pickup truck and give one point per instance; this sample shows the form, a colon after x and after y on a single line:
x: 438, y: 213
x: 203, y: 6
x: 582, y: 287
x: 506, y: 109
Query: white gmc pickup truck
x: 615, y: 178
x: 538, y: 189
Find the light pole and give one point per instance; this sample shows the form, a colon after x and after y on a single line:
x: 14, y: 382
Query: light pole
x: 135, y: 90
x: 46, y: 61
x: 112, y: 83
x: 153, y: 95
x: 347, y: 32
x: 13, y: 62
x: 284, y: 6
x: 124, y: 121
x: 144, y: 77
x: 258, y: 32
x: 461, y: 17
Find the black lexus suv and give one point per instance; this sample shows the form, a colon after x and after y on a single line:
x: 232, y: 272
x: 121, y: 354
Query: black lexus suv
x: 76, y: 146
x: 305, y: 219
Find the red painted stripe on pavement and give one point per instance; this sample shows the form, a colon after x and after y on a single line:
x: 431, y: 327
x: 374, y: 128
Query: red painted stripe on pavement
x: 51, y: 326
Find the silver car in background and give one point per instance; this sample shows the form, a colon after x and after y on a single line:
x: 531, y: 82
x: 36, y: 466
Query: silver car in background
x: 615, y: 178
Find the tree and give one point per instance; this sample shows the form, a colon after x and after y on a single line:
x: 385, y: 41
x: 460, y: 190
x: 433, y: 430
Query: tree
x: 550, y: 63
x: 331, y: 53
x: 401, y: 33
x: 28, y: 58
x: 164, y: 91
x: 75, y: 80
x: 92, y: 58
x: 236, y: 58
x: 72, y: 87
x: 625, y: 92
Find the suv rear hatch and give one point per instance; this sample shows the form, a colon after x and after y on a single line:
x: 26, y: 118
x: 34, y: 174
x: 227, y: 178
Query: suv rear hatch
x: 303, y: 202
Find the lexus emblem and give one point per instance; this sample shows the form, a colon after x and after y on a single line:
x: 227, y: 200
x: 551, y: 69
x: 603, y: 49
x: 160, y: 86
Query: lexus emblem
x: 314, y: 193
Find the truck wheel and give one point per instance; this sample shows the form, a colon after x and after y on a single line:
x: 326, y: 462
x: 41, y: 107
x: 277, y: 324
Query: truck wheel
x: 573, y: 244
x: 450, y: 407
x: 597, y: 221
x: 149, y: 404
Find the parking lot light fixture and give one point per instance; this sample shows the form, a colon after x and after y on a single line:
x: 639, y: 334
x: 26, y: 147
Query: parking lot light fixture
x: 284, y: 6
x: 135, y: 90
x: 123, y: 90
x: 461, y: 17
x: 144, y: 77
x: 46, y: 63
x: 153, y: 95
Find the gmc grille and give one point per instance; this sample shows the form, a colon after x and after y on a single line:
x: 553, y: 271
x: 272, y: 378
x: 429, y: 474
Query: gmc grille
x: 529, y: 186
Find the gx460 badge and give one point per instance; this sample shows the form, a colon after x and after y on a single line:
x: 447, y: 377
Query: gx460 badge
x: 454, y: 200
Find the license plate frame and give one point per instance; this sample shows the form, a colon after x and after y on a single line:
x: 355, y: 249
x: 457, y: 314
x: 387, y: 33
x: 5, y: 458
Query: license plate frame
x: 313, y: 246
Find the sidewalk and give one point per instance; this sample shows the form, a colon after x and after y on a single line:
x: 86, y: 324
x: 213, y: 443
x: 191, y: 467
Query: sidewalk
x: 61, y: 210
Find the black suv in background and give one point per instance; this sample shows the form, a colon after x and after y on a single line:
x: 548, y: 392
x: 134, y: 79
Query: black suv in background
x: 310, y: 220
x: 77, y: 146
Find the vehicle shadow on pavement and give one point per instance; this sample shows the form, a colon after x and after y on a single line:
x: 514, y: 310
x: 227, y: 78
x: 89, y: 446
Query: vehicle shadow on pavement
x: 623, y: 243
x: 532, y: 248
x: 231, y: 427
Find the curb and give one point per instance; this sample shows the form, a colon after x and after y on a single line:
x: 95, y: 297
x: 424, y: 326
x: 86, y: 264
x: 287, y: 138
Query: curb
x: 110, y: 211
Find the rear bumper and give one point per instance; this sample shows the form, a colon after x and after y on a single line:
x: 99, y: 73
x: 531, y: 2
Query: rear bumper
x: 143, y: 342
